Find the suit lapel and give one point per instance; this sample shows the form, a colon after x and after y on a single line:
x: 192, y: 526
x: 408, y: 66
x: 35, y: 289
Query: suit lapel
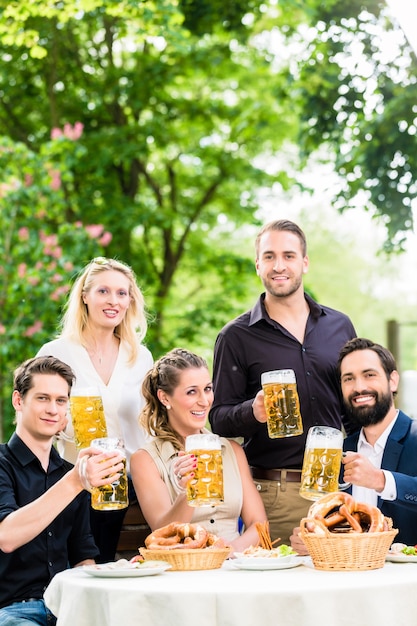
x: 393, y: 446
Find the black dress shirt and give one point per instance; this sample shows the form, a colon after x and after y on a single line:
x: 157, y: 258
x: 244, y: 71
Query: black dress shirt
x: 26, y: 572
x: 254, y: 343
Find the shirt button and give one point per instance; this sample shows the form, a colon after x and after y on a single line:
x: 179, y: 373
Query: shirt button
x: 212, y: 521
x: 49, y: 534
x: 50, y: 564
x: 308, y: 373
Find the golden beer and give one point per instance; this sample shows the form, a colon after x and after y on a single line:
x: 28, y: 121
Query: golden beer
x: 113, y: 496
x: 88, y: 419
x: 206, y: 487
x: 320, y: 473
x: 322, y: 462
x: 282, y: 404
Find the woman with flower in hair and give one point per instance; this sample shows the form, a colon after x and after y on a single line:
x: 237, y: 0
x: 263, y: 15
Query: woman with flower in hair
x: 179, y: 393
x: 101, y: 337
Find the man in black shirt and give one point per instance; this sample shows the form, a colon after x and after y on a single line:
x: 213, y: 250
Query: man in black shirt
x: 44, y: 510
x: 285, y: 329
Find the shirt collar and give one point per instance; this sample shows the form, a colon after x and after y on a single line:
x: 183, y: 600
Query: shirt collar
x: 259, y: 312
x: 381, y: 442
x: 25, y: 455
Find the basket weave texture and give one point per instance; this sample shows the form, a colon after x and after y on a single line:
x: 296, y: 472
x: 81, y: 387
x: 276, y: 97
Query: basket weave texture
x: 348, y: 552
x: 182, y: 559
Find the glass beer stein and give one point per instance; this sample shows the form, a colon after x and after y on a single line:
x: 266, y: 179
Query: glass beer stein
x: 87, y: 415
x: 282, y: 404
x: 113, y: 496
x: 206, y: 487
x: 322, y: 462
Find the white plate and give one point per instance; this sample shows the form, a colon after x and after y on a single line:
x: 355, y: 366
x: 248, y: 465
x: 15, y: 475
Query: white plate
x: 281, y: 559
x: 401, y: 558
x: 149, y: 568
x: 259, y: 563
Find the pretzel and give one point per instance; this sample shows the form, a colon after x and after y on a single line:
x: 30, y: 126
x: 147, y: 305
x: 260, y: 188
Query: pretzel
x: 176, y: 535
x: 339, y: 512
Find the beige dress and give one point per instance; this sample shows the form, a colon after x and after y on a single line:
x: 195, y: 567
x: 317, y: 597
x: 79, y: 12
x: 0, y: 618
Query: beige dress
x: 222, y: 520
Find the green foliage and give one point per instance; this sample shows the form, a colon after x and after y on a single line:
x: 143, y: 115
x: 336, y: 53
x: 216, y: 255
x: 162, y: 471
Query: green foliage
x: 359, y: 101
x: 172, y: 127
x: 41, y: 252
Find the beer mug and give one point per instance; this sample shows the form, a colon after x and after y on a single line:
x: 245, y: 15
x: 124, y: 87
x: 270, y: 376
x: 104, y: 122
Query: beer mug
x: 322, y: 462
x: 113, y: 496
x: 282, y: 404
x: 87, y: 415
x: 206, y: 487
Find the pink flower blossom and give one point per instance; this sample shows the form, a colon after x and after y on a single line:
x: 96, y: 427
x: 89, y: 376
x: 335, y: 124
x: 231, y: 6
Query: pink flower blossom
x: 2, y: 329
x: 33, y: 280
x: 56, y: 133
x: 28, y: 180
x: 94, y: 230
x: 73, y: 132
x: 55, y: 183
x: 23, y: 233
x: 68, y: 266
x: 105, y: 239
x: 57, y: 252
x: 32, y: 330
x: 56, y: 278
x: 21, y: 270
x: 49, y: 240
x: 59, y: 292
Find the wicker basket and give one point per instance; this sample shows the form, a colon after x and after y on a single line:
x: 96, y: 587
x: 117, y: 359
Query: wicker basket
x: 182, y: 559
x: 350, y: 551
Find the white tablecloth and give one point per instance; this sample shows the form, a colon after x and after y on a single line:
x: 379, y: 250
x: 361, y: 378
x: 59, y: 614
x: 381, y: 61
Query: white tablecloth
x: 301, y: 596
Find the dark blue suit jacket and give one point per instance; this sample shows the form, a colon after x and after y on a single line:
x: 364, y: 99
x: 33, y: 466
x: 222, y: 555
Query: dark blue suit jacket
x: 400, y: 458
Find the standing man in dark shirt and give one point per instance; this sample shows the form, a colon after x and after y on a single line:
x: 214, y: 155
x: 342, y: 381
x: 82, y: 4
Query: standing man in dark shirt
x: 44, y: 510
x: 285, y: 329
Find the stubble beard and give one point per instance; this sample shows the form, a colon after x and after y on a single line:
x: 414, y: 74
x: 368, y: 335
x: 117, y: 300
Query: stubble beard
x: 292, y: 287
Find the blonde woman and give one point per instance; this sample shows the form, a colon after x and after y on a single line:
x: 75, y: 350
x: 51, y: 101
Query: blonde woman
x: 101, y: 340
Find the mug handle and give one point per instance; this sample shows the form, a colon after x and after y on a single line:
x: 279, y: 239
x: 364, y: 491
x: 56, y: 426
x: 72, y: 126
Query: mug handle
x: 344, y: 486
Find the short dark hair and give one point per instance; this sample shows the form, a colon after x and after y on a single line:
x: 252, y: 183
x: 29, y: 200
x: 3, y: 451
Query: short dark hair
x: 280, y: 225
x: 359, y: 343
x: 23, y: 375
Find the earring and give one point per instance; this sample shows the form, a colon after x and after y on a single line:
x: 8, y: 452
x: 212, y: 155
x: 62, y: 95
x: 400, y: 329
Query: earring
x: 167, y: 406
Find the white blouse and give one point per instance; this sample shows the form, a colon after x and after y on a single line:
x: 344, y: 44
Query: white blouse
x: 122, y: 396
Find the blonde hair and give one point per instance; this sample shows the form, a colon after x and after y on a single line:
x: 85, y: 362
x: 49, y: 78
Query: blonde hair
x: 165, y: 375
x: 132, y: 328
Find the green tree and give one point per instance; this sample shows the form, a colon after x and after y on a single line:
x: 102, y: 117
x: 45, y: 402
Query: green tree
x: 356, y: 83
x: 35, y: 237
x: 173, y: 124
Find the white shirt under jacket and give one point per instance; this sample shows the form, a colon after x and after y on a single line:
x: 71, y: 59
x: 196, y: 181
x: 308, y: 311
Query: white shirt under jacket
x: 122, y: 396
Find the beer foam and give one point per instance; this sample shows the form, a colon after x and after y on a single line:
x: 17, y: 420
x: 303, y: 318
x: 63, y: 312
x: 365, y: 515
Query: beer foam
x: 278, y: 376
x: 203, y: 441
x: 333, y: 439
